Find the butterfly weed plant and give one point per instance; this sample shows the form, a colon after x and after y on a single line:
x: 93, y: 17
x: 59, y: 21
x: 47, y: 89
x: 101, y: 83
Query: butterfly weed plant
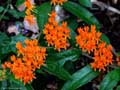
x: 60, y: 41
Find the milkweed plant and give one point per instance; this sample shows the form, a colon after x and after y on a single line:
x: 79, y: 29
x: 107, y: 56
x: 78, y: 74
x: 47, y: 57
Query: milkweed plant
x: 61, y: 42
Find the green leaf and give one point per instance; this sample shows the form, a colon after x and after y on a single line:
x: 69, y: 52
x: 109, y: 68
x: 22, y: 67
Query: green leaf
x: 64, y: 56
x: 14, y: 40
x: 4, y: 42
x: 110, y: 80
x: 5, y: 17
x: 42, y: 14
x: 1, y: 9
x: 105, y: 38
x: 4, y: 39
x: 57, y: 70
x: 29, y: 87
x: 56, y: 61
x: 72, y: 39
x: 118, y: 53
x: 70, y: 67
x: 72, y: 24
x: 16, y: 14
x: 81, y: 12
x: 10, y: 46
x: 69, y: 55
x: 13, y: 83
x: 3, y: 85
x: 86, y: 3
x: 19, y: 2
x: 80, y: 78
x: 118, y: 87
x: 11, y: 78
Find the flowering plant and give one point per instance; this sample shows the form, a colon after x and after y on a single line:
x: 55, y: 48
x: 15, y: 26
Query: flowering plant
x: 60, y: 44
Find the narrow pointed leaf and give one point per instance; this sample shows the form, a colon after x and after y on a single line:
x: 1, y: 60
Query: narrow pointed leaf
x: 42, y: 12
x: 81, y: 13
x: 79, y: 78
x: 110, y: 80
x: 62, y: 57
x: 57, y: 70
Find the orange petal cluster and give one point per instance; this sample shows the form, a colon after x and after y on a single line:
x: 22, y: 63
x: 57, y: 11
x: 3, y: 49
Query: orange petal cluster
x: 54, y: 2
x: 29, y: 17
x: 88, y: 38
x: 102, y: 56
x: 56, y: 35
x: 89, y: 41
x: 30, y: 57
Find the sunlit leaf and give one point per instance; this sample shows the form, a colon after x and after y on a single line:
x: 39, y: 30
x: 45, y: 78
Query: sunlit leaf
x: 110, y: 80
x: 80, y: 78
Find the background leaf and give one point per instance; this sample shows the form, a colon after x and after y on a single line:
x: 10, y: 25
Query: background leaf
x: 81, y: 13
x: 110, y: 80
x: 11, y: 47
x: 1, y: 9
x: 62, y: 57
x: 19, y: 2
x: 79, y: 78
x: 118, y: 87
x: 8, y: 44
x: 57, y: 70
x: 16, y: 14
x: 4, y: 42
x: 42, y: 14
x: 72, y: 24
x: 86, y: 3
x: 105, y: 38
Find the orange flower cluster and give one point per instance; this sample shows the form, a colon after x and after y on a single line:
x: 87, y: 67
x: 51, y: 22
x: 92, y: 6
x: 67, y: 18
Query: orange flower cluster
x: 56, y: 35
x: 89, y: 41
x: 54, y: 2
x: 102, y: 56
x: 29, y: 58
x: 29, y: 17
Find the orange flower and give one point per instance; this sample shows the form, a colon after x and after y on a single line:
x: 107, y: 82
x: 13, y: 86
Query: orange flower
x: 102, y: 57
x: 56, y: 35
x: 30, y: 57
x: 28, y: 4
x: 87, y: 40
x: 29, y: 17
x: 54, y: 2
